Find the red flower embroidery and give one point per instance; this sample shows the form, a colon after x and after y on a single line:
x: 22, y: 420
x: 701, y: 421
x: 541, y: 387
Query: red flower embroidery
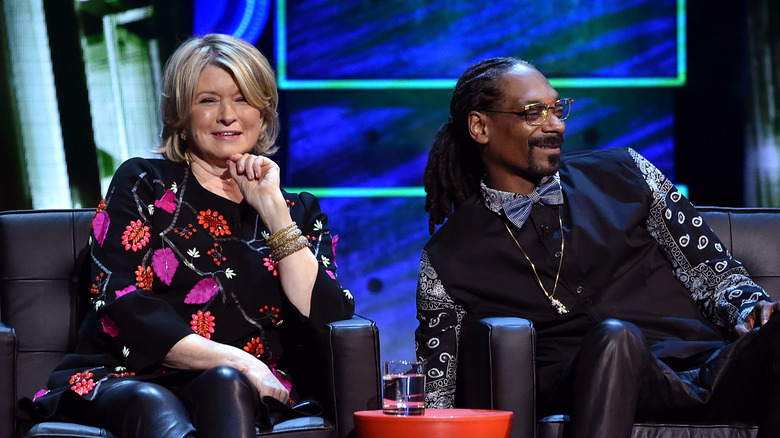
x: 136, y: 236
x: 80, y: 376
x: 96, y: 286
x: 101, y: 206
x: 82, y: 382
x: 214, y: 222
x: 216, y: 254
x: 255, y: 348
x: 124, y: 374
x: 203, y: 324
x: 270, y: 263
x: 83, y: 387
x: 185, y: 232
x: 144, y: 277
x: 271, y: 311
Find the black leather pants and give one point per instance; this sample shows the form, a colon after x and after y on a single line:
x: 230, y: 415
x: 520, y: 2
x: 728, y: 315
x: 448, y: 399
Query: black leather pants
x: 220, y: 402
x: 615, y: 380
x: 609, y: 369
x: 747, y: 381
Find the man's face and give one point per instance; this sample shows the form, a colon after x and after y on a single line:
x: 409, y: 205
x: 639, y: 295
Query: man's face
x: 516, y: 154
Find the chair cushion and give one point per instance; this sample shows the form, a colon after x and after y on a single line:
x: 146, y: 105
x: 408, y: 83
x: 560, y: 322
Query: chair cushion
x: 555, y: 425
x: 54, y: 429
x: 310, y: 427
x: 313, y: 427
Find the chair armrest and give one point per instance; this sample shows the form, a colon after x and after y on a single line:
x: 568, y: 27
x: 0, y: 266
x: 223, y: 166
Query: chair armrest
x: 497, y: 369
x: 7, y: 380
x: 351, y: 352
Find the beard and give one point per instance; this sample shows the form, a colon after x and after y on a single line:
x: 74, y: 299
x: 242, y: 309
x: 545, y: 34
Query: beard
x: 539, y: 168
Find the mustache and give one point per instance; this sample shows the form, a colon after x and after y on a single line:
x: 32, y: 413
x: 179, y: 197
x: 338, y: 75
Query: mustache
x: 552, y: 140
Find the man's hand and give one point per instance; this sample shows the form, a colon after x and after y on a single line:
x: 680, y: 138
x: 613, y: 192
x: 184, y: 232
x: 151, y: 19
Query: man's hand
x: 762, y: 311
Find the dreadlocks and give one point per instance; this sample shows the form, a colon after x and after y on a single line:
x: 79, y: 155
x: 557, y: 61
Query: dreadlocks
x: 454, y: 166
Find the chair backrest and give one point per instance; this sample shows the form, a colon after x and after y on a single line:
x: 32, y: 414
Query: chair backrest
x: 41, y: 260
x: 751, y: 235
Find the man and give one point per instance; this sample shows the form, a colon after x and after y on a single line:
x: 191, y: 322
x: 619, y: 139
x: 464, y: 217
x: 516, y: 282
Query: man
x: 640, y: 312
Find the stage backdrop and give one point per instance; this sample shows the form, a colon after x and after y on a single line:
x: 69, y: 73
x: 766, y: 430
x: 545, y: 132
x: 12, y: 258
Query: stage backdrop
x: 364, y: 86
x: 367, y: 85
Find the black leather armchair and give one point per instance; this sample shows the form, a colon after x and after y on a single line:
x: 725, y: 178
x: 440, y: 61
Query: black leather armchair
x: 496, y: 367
x: 42, y: 302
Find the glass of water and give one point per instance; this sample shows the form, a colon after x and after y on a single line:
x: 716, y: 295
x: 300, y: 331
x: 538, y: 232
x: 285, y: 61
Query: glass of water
x: 403, y: 387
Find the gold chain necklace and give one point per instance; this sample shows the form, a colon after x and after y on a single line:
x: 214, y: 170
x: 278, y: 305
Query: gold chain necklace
x: 554, y: 302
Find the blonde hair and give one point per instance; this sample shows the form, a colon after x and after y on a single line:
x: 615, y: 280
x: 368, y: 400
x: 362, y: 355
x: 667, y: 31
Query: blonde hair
x: 251, y: 70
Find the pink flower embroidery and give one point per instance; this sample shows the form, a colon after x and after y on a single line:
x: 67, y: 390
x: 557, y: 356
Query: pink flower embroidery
x: 333, y: 242
x: 109, y: 326
x: 100, y: 226
x: 125, y: 291
x: 270, y: 263
x: 165, y: 263
x: 167, y: 202
x: 40, y: 393
x: 202, y: 292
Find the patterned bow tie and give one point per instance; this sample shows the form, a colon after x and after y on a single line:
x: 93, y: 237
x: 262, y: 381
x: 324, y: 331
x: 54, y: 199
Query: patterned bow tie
x: 518, y: 209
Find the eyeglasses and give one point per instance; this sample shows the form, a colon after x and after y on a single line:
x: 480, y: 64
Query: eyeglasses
x: 536, y: 113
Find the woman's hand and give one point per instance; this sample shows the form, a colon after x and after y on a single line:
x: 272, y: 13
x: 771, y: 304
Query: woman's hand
x: 256, y: 175
x: 266, y: 383
x: 194, y: 352
x: 258, y: 179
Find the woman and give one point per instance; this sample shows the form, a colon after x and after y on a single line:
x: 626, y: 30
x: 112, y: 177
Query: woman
x: 201, y: 264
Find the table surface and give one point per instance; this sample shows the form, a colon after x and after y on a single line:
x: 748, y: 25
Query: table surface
x: 454, y: 414
x: 450, y: 423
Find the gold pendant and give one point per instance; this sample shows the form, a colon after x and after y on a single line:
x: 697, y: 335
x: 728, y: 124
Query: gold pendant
x: 554, y: 303
x: 558, y: 306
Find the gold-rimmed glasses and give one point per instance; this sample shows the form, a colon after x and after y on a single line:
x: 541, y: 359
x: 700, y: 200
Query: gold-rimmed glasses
x: 536, y: 113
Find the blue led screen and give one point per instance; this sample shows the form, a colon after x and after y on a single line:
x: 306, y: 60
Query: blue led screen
x: 437, y: 39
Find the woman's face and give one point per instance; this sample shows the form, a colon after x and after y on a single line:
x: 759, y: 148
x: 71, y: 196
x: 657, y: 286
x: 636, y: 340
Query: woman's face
x: 222, y: 122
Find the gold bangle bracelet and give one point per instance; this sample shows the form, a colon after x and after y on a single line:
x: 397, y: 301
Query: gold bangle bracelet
x: 286, y: 239
x: 283, y: 235
x: 289, y: 248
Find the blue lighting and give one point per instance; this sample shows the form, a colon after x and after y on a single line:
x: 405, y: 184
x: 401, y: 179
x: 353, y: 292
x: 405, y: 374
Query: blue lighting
x: 245, y: 19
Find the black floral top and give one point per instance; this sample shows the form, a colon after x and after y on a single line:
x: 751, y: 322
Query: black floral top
x: 169, y: 258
